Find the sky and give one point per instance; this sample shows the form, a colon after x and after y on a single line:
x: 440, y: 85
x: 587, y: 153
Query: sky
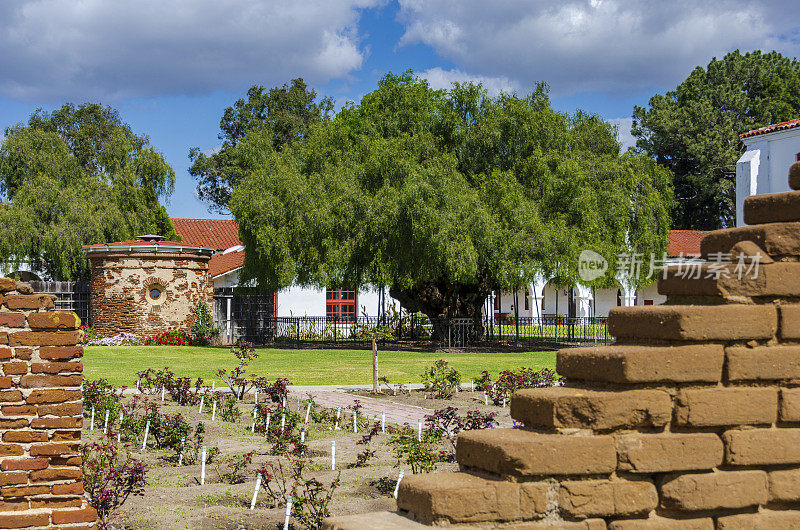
x: 171, y: 68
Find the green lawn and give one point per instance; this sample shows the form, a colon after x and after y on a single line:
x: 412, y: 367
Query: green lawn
x: 119, y: 364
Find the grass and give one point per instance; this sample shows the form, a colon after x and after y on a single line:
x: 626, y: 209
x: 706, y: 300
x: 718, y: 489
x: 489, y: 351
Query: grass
x: 119, y: 364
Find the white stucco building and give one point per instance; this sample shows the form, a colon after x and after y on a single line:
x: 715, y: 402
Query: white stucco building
x: 764, y: 166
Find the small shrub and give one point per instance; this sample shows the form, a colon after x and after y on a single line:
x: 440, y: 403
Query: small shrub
x: 363, y: 458
x: 179, y: 389
x: 230, y: 468
x: 171, y: 337
x: 440, y: 379
x: 238, y: 382
x: 509, y: 381
x: 203, y: 329
x: 103, y: 397
x: 120, y: 339
x: 278, y: 391
x: 109, y: 477
x: 228, y: 410
x: 420, y: 456
x: 447, y: 423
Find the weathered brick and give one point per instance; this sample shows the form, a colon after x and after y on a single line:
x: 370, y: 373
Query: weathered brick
x: 55, y: 368
x: 643, y: 364
x: 726, y: 406
x: 63, y: 409
x: 15, y: 368
x: 12, y: 320
x: 11, y: 450
x: 662, y: 523
x: 23, y: 353
x: 767, y: 520
x: 714, y: 491
x: 777, y: 239
x: 74, y: 516
x: 53, y: 449
x: 658, y: 453
x: 3, y: 337
x: 18, y: 410
x: 5, y: 351
x: 784, y: 485
x: 57, y: 423
x: 790, y: 404
x: 60, y: 353
x: 45, y: 381
x: 763, y: 363
x: 24, y: 520
x: 29, y: 301
x: 7, y: 284
x: 55, y: 473
x: 24, y: 463
x: 693, y: 322
x: 24, y: 436
x: 54, y: 320
x: 24, y: 491
x: 461, y: 498
x: 790, y: 321
x: 521, y: 453
x: 13, y: 423
x: 65, y: 436
x: 10, y: 396
x: 6, y: 382
x: 14, y: 477
x: 13, y: 505
x: 57, y: 503
x: 43, y: 338
x: 53, y: 396
x: 772, y: 208
x: 561, y: 407
x: 762, y: 446
x: 73, y: 488
x: 604, y: 498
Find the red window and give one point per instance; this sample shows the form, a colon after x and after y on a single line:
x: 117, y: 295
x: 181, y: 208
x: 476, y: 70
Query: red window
x: 340, y: 304
x: 648, y: 302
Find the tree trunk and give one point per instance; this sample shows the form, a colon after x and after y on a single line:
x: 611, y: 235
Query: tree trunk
x: 442, y: 302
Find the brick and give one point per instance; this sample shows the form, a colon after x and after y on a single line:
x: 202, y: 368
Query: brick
x: 642, y: 364
x: 29, y: 301
x: 763, y: 363
x: 12, y: 320
x: 15, y: 368
x: 57, y: 423
x: 772, y: 208
x: 462, y: 498
x: 15, y: 477
x: 25, y: 463
x: 54, y: 473
x: 24, y: 520
x: 715, y: 491
x: 66, y: 461
x: 662, y: 523
x: 10, y: 423
x: 18, y: 410
x: 659, y: 453
x: 60, y: 353
x: 777, y: 239
x: 55, y: 368
x: 44, y: 381
x: 762, y: 446
x: 587, y: 524
x: 10, y: 396
x: 790, y: 321
x: 520, y: 453
x: 57, y: 503
x: 24, y: 491
x: 3, y: 337
x: 43, y: 338
x: 54, y: 320
x: 6, y: 382
x: 24, y: 436
x: 709, y: 407
x: 65, y: 436
x: 53, y: 396
x: 790, y: 404
x: 725, y: 280
x: 693, y: 322
x: 53, y: 449
x: 784, y: 485
x: 561, y: 407
x: 11, y: 450
x: 73, y: 488
x: 7, y: 284
x: 788, y: 519
x: 603, y: 498
x: 5, y: 351
x: 83, y: 515
x: 14, y: 505
x: 23, y: 353
x: 62, y: 409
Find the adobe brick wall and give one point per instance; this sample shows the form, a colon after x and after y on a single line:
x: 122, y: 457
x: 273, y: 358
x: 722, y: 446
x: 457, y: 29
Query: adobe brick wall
x: 121, y: 281
x: 40, y: 413
x: 691, y: 420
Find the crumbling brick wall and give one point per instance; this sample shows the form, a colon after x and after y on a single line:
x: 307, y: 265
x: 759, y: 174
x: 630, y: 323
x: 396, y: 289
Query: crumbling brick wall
x: 120, y: 286
x: 690, y: 420
x: 40, y: 413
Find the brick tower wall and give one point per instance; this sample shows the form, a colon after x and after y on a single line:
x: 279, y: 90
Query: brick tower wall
x: 40, y: 413
x: 121, y: 283
x: 690, y: 420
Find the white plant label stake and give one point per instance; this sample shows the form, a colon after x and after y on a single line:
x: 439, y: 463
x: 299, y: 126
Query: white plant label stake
x: 91, y: 425
x: 146, y: 432
x: 266, y: 429
x: 203, y: 467
x: 419, y: 430
x: 397, y: 486
x: 255, y: 397
x: 383, y: 422
x: 485, y: 399
x: 105, y: 423
x: 333, y: 455
x: 283, y: 422
x: 355, y: 422
x: 202, y: 399
x: 288, y: 513
x: 308, y: 411
x: 119, y: 429
x: 163, y: 390
x: 255, y: 493
x: 138, y: 381
x: 338, y: 413
x: 213, y: 385
x: 253, y: 427
x: 183, y: 444
x: 214, y: 411
x: 303, y: 435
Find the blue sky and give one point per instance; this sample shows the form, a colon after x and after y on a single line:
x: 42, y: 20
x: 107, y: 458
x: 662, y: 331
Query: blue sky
x: 171, y: 68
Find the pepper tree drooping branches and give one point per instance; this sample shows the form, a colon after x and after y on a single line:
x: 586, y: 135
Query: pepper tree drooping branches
x: 446, y: 195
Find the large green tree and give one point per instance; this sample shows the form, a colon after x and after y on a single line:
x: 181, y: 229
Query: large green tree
x: 77, y: 176
x: 694, y: 129
x: 267, y: 120
x: 446, y: 195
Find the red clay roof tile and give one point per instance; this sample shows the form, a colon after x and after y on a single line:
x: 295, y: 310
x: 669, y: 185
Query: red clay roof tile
x: 775, y: 127
x: 219, y: 234
x: 685, y: 242
x: 223, y: 263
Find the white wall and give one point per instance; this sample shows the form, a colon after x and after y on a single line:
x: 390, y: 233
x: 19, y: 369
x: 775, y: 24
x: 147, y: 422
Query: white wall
x: 230, y: 279
x: 308, y: 301
x: 764, y: 166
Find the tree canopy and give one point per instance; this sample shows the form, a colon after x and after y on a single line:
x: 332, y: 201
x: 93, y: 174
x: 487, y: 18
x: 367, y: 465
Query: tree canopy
x: 444, y: 195
x: 694, y: 129
x: 77, y: 176
x: 268, y: 120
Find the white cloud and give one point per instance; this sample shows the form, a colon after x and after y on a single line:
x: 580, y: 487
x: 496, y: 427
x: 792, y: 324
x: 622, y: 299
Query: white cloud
x: 116, y: 49
x: 439, y: 78
x: 624, y: 136
x: 595, y: 45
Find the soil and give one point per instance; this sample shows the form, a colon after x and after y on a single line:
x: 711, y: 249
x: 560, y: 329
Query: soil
x: 173, y: 497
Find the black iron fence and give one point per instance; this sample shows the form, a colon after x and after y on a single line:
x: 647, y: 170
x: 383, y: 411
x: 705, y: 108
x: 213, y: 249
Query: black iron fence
x: 551, y: 328
x: 70, y: 296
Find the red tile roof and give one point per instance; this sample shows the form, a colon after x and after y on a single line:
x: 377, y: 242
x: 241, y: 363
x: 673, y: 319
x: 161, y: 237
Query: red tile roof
x: 219, y: 234
x: 222, y: 263
x: 791, y: 124
x: 685, y: 242
x: 141, y: 243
